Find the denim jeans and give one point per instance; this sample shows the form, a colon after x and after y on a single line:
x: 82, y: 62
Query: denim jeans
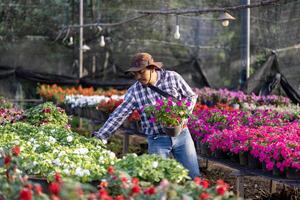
x: 181, y: 147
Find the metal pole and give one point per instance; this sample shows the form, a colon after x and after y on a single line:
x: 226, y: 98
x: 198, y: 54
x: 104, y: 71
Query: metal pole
x: 245, y: 43
x: 80, y: 38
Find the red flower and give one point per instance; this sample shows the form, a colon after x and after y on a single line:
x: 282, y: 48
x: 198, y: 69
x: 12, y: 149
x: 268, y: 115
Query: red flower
x: 150, y: 191
x: 204, y: 196
x: 7, y: 160
x: 92, y: 197
x: 38, y: 189
x: 135, y: 189
x: 135, y: 181
x: 25, y: 194
x: 58, y: 177
x: 124, y: 179
x: 54, y: 188
x: 54, y: 197
x: 119, y: 197
x: 197, y: 180
x: 221, y: 189
x: 16, y: 150
x: 46, y: 110
x: 205, y: 183
x: 104, y: 195
x: 111, y: 170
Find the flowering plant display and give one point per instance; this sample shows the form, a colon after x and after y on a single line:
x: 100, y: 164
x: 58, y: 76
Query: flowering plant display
x: 88, y: 101
x: 51, y: 148
x: 238, y: 97
x: 117, y: 185
x: 10, y: 115
x: 168, y: 113
x: 153, y: 168
x: 109, y: 106
x: 57, y: 93
x: 47, y: 113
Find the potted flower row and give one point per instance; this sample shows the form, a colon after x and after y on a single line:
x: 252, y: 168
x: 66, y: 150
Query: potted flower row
x: 274, y: 149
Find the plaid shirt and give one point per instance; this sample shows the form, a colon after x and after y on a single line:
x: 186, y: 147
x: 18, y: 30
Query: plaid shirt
x: 138, y: 96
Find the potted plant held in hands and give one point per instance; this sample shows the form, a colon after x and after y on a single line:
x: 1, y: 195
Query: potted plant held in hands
x: 171, y: 115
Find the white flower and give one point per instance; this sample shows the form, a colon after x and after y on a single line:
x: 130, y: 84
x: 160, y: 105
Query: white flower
x: 112, y: 154
x: 17, y: 142
x: 79, y: 172
x: 81, y: 151
x: 34, y: 163
x: 55, y: 151
x: 32, y: 140
x: 66, y: 171
x: 101, y: 159
x: 62, y: 153
x: 155, y: 164
x: 86, y: 172
x: 52, y: 140
x: 56, y: 162
x: 69, y: 138
x: 52, y: 131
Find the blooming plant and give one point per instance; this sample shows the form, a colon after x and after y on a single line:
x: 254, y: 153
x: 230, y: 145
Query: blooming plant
x: 153, y: 168
x: 10, y: 115
x: 47, y: 113
x: 167, y: 112
x: 57, y: 94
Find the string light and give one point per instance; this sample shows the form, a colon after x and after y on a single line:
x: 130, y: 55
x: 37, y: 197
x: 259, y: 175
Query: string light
x: 102, y: 41
x: 71, y: 42
x: 177, y: 34
x: 225, y: 18
x: 85, y: 48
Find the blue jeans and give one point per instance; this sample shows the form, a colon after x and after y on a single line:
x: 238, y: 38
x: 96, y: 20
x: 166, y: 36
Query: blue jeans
x: 181, y: 147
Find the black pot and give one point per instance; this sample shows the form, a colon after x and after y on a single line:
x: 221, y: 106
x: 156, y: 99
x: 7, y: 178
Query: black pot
x: 253, y: 163
x: 205, y: 150
x: 172, y: 131
x: 220, y: 154
x: 292, y: 173
x: 243, y: 156
x: 234, y: 157
x: 277, y: 172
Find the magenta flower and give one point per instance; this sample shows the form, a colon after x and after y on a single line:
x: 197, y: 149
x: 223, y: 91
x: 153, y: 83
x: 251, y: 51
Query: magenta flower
x: 152, y: 120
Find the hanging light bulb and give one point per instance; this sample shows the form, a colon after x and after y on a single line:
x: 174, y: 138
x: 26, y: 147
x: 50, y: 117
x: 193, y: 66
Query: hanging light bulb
x: 71, y: 42
x: 85, y: 48
x: 225, y: 22
x: 225, y: 18
x: 102, y: 41
x: 177, y: 34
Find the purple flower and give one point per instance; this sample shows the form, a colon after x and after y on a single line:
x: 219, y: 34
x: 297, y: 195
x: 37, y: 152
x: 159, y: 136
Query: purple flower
x: 179, y: 103
x: 152, y: 120
x: 188, y: 104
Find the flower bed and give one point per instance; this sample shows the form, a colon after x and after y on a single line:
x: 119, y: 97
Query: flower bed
x: 57, y: 94
x: 211, y: 97
x: 116, y: 185
x: 270, y: 137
